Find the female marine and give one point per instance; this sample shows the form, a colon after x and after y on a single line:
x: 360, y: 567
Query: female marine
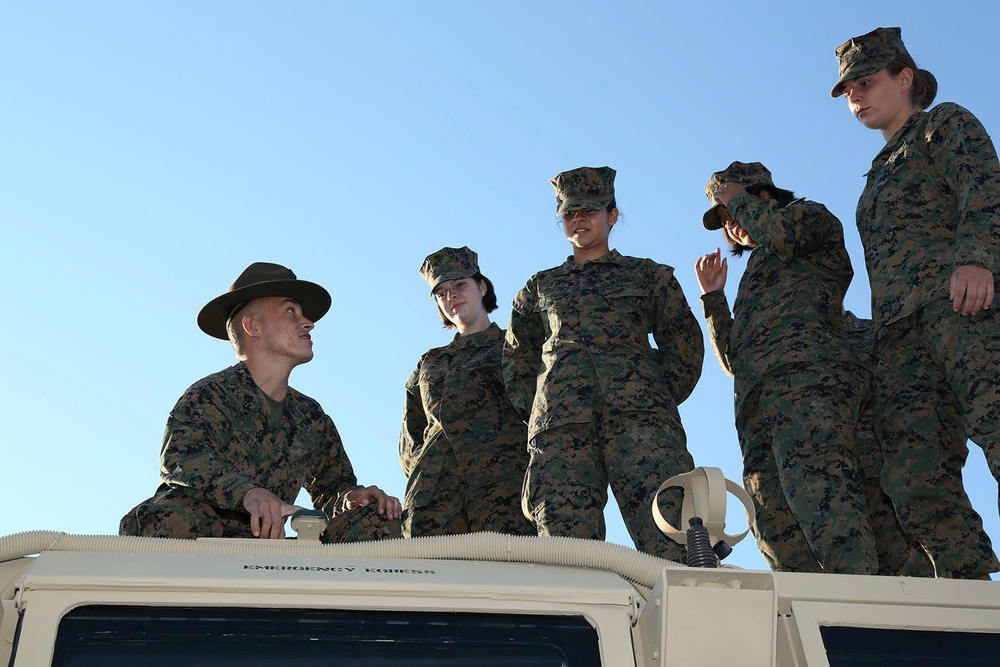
x: 928, y: 219
x: 600, y: 401
x: 462, y: 447
x: 798, y: 384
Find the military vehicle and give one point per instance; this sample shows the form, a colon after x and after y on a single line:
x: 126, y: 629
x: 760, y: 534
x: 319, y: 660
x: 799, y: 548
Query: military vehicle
x: 486, y: 599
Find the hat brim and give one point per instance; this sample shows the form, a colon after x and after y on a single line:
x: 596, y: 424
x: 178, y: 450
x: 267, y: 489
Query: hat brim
x: 712, y: 219
x: 854, y: 73
x: 314, y: 299
x: 450, y: 275
x: 570, y: 206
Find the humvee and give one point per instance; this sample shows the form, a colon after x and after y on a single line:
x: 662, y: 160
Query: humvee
x: 483, y: 599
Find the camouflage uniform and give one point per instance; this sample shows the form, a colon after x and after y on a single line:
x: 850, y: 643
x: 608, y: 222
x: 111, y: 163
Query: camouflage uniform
x: 220, y: 442
x: 798, y: 384
x: 462, y: 447
x: 931, y: 204
x: 898, y: 553
x: 601, y: 403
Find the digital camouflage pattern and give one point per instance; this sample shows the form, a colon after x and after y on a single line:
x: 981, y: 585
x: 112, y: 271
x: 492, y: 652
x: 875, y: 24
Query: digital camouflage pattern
x: 449, y: 264
x: 458, y: 510
x: 578, y: 330
x: 751, y: 175
x: 584, y: 189
x: 867, y: 54
x: 805, y: 413
x: 462, y: 446
x: 786, y: 332
x: 899, y: 554
x: 566, y: 488
x: 792, y: 409
x: 788, y: 304
x: 931, y: 204
x: 219, y: 443
x: 577, y: 348
x: 936, y: 383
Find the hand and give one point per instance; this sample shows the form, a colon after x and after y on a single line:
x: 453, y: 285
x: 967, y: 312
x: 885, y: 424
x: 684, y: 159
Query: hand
x: 972, y: 285
x: 727, y: 191
x: 388, y: 506
x: 267, y: 513
x: 711, y: 272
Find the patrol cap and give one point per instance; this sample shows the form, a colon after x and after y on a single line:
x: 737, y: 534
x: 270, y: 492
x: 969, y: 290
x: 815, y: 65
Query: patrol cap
x: 867, y: 54
x: 449, y: 264
x: 749, y: 174
x: 262, y: 279
x: 584, y: 189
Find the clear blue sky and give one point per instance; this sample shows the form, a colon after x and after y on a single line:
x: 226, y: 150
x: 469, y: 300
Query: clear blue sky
x: 149, y: 151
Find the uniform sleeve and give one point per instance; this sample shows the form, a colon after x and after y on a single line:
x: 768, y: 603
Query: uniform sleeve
x: 678, y: 337
x: 411, y: 435
x: 198, y: 429
x: 967, y: 159
x: 334, y: 477
x: 720, y: 326
x: 522, y: 350
x: 790, y: 231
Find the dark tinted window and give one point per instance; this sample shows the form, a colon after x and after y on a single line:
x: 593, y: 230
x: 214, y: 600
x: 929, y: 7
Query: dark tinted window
x: 850, y: 647
x: 224, y: 637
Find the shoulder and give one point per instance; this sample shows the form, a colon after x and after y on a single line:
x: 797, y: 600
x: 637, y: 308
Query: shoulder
x: 549, y: 274
x: 813, y: 208
x: 225, y: 381
x: 949, y: 118
x: 306, y: 406
x: 646, y: 267
x: 432, y: 355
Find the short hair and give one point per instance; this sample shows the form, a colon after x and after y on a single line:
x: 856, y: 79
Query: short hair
x: 234, y: 325
x: 489, y: 300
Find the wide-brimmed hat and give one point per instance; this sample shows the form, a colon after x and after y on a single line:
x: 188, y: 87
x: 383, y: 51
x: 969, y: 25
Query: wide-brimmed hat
x: 584, y: 189
x: 751, y: 175
x: 262, y: 279
x: 449, y: 264
x: 867, y: 54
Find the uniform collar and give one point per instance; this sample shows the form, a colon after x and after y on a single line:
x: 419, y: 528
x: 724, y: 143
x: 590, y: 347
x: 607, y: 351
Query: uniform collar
x: 485, y: 338
x: 613, y: 257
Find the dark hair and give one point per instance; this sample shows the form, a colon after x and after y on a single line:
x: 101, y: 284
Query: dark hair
x: 924, y: 88
x: 489, y: 300
x: 783, y: 199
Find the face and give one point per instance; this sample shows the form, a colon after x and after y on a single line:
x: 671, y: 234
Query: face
x: 283, y: 329
x: 461, y: 300
x: 880, y: 101
x: 588, y: 230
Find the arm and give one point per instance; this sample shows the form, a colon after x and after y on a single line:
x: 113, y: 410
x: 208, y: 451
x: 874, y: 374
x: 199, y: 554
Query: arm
x: 522, y: 350
x: 720, y: 326
x: 678, y: 337
x: 411, y: 435
x: 712, y: 273
x: 196, y: 443
x: 334, y: 478
x: 966, y: 155
x: 789, y: 231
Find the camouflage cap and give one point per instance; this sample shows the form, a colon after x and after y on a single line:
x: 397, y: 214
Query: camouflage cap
x: 584, y: 189
x: 749, y: 174
x: 867, y: 54
x: 262, y: 279
x: 449, y: 264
